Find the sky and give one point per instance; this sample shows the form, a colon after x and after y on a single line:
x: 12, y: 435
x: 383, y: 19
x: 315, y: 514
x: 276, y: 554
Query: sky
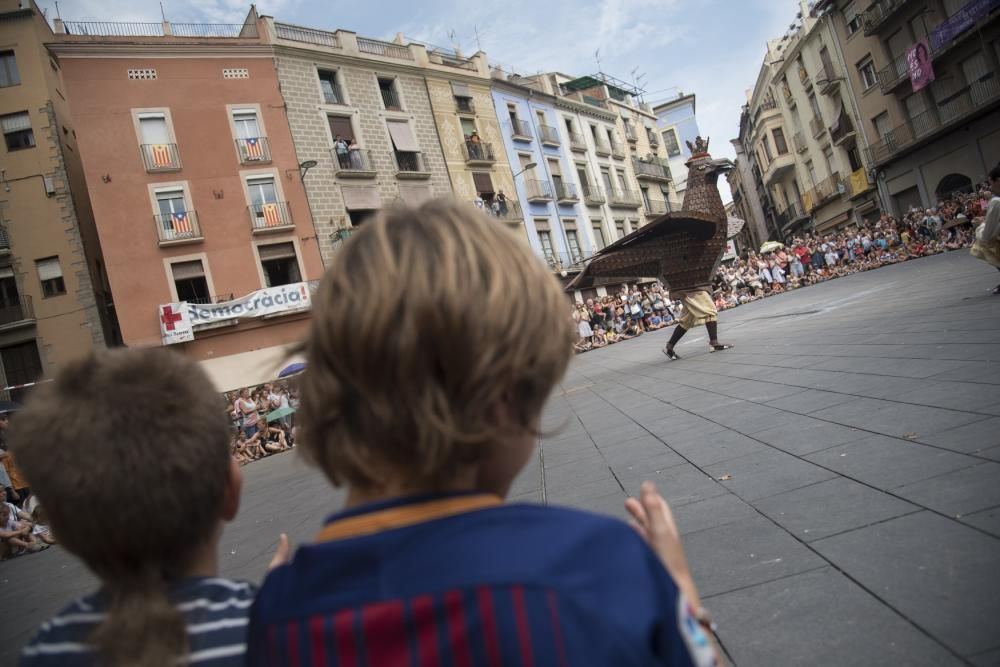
x: 712, y: 48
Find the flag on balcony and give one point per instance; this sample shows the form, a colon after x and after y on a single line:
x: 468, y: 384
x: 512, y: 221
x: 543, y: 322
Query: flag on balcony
x: 272, y: 216
x: 859, y: 181
x: 160, y: 155
x: 918, y: 64
x: 253, y: 148
x: 180, y: 222
x: 807, y: 201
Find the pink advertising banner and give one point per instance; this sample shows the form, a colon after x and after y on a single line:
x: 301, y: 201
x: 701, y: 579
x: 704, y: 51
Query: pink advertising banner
x: 918, y: 63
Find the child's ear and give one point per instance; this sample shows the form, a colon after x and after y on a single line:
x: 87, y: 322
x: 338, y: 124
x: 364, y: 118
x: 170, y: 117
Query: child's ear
x: 234, y: 488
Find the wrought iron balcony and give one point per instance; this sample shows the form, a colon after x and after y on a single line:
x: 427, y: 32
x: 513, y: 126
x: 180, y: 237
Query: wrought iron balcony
x: 160, y: 157
x: 828, y: 78
x: 592, y: 194
x: 799, y: 141
x: 215, y: 298
x: 816, y: 126
x: 390, y: 100
x: 654, y: 140
x: 538, y: 191
x: 410, y: 164
x: 510, y: 211
x: 253, y: 150
x: 653, y: 170
x: 353, y: 164
x: 625, y: 198
x: 654, y: 206
x: 878, y: 13
x: 549, y: 135
x: 17, y: 311
x: 566, y: 192
x: 270, y: 216
x: 479, y: 153
x: 178, y: 227
x: 520, y: 130
x: 297, y: 33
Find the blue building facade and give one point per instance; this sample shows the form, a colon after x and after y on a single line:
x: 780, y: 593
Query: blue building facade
x: 555, y: 218
x: 677, y: 124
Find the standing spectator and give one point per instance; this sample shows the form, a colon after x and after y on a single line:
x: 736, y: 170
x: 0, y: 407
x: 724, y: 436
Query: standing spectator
x: 340, y: 147
x: 248, y: 408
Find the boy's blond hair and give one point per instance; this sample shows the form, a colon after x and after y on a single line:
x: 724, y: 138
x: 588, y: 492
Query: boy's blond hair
x: 429, y: 320
x: 128, y: 452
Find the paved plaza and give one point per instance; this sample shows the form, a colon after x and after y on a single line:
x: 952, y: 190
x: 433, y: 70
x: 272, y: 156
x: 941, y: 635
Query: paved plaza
x: 835, y: 476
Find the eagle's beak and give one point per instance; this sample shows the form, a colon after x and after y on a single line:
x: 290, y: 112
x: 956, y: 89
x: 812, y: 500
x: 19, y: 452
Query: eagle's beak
x: 721, y: 166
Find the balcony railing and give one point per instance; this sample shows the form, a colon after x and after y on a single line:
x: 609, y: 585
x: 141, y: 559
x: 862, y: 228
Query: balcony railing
x: 878, y: 13
x: 538, y: 191
x: 602, y: 147
x: 253, y: 150
x: 269, y: 216
x: 159, y: 29
x: 355, y: 163
x: 825, y: 190
x: 549, y: 135
x: 960, y: 105
x: 577, y: 142
x: 592, y: 194
x: 160, y: 157
x: 17, y: 310
x: 799, y: 141
x: 654, y: 206
x: 390, y: 100
x: 479, y: 152
x: 178, y: 226
x: 842, y: 130
x: 508, y: 212
x: 618, y: 149
x: 520, y: 130
x: 387, y: 49
x: 465, y: 105
x: 4, y: 241
x: 215, y: 298
x: 410, y: 164
x: 893, y: 74
x: 629, y: 198
x: 296, y: 33
x: 651, y: 170
x: 816, y: 126
x: 566, y: 192
x: 828, y: 78
x: 571, y: 261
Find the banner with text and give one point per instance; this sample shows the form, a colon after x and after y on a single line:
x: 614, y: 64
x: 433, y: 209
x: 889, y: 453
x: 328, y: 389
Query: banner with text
x: 178, y: 320
x: 918, y: 63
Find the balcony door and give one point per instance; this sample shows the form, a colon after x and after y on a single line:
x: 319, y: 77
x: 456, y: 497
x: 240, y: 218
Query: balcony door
x: 262, y: 191
x: 246, y: 125
x: 154, y: 129
x: 21, y: 365
x: 8, y: 290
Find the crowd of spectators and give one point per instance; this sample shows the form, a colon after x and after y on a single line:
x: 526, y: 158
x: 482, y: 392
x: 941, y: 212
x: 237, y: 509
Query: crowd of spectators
x: 807, y: 260
x: 263, y: 420
x: 23, y: 526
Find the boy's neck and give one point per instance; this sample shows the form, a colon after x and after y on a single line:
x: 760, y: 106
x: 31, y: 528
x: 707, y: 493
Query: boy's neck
x: 205, y: 559
x: 357, y: 496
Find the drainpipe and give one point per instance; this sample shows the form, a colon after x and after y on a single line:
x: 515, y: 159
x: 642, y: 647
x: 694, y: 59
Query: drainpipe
x: 548, y: 176
x: 444, y: 156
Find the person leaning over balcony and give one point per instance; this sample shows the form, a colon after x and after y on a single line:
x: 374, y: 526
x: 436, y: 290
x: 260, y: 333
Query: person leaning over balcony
x: 987, y: 245
x: 340, y: 147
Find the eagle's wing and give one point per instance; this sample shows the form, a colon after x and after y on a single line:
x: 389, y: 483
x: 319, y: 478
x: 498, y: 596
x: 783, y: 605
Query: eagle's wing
x: 638, y: 255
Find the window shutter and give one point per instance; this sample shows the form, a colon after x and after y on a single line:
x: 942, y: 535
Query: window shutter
x: 187, y: 270
x: 341, y: 125
x: 402, y: 136
x: 483, y: 182
x: 15, y: 122
x: 49, y: 268
x: 276, y: 251
x: 360, y: 197
x: 460, y: 90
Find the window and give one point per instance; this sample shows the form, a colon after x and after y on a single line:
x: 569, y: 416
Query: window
x: 854, y: 158
x: 811, y: 168
x: 51, y: 277
x: 279, y: 263
x: 866, y: 68
x: 541, y: 117
x: 174, y: 220
x: 852, y: 18
x: 574, y: 245
x: 545, y: 240
x: 17, y: 131
x: 390, y: 98
x: 9, y: 75
x: 158, y: 150
x: 598, y: 229
x: 918, y: 26
x: 245, y: 121
x: 882, y: 126
x: 606, y: 179
x: 831, y: 163
x: 765, y: 145
x: 644, y: 191
x: 814, y: 105
x: 190, y: 282
x: 328, y: 86
x: 620, y: 228
x: 154, y: 129
x: 341, y: 128
x: 779, y: 141
x: 21, y: 365
x: 670, y: 141
x: 512, y: 114
x: 404, y: 143
x: 266, y: 211
x: 250, y: 141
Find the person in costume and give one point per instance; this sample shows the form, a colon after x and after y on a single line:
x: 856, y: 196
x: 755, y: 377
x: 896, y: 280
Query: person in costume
x: 683, y: 249
x: 987, y: 245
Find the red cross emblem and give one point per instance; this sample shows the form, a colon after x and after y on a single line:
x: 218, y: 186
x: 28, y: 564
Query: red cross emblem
x: 169, y: 317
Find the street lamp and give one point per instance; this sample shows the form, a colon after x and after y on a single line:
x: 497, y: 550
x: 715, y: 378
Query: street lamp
x: 530, y: 165
x: 304, y: 168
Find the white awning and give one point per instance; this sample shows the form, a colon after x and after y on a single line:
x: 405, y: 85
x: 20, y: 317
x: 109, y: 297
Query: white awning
x: 49, y: 269
x: 414, y: 195
x: 360, y: 197
x: 247, y: 369
x: 460, y: 90
x: 402, y: 136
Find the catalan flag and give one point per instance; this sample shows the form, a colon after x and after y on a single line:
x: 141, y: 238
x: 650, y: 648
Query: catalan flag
x: 181, y: 224
x: 160, y: 155
x: 272, y: 216
x: 253, y: 148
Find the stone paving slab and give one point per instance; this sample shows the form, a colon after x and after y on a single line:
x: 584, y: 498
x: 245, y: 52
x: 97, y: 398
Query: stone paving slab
x: 858, y: 424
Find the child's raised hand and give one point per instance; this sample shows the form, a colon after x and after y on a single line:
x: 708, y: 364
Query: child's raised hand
x: 281, y: 553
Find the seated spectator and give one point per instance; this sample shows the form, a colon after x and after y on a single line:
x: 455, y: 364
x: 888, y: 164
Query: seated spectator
x: 600, y: 339
x: 16, y: 535
x: 41, y: 522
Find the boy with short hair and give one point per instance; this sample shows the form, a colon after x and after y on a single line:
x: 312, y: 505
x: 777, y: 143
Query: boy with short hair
x: 129, y: 454
x: 423, y: 393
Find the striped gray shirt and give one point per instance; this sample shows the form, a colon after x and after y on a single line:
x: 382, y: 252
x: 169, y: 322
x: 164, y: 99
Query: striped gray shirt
x: 216, y: 611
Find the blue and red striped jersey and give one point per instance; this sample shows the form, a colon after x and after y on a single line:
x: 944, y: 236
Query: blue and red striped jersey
x: 463, y: 581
